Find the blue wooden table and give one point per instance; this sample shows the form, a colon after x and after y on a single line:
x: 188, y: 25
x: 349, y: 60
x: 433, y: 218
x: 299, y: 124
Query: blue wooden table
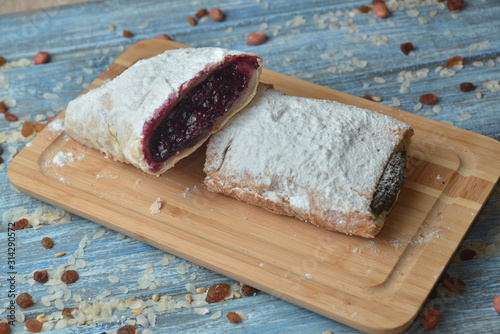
x: 327, y: 42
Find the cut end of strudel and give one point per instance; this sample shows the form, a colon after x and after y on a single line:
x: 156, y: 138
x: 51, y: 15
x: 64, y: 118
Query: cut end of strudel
x: 163, y: 108
x: 336, y: 166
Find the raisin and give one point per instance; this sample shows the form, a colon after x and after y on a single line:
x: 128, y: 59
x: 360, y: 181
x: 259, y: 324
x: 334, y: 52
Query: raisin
x: 218, y: 292
x: 432, y: 295
x: 406, y: 48
x: 129, y: 329
x: 20, y: 224
x: 467, y: 87
x: 34, y: 326
x: 1, y: 160
x: 28, y: 129
x: 467, y: 254
x: 455, y: 5
x: 24, y: 300
x: 429, y: 318
x: 443, y: 276
x: 3, y: 107
x: 428, y: 99
x: 69, y: 276
x: 233, y: 317
x: 2, y: 61
x: 454, y: 61
x: 201, y: 13
x: 454, y: 285
x: 127, y: 33
x: 247, y: 290
x: 1, y: 149
x: 67, y: 312
x: 10, y: 117
x: 39, y: 126
x: 41, y: 276
x: 4, y: 328
x: 47, y: 243
x: 364, y: 9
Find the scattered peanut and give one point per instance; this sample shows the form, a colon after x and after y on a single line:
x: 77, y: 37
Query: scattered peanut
x: 191, y: 20
x: 256, y: 38
x: 380, y: 9
x: 111, y: 27
x: 155, y: 297
x: 201, y: 289
x: 59, y: 254
x: 188, y: 298
x: 41, y: 57
x: 216, y: 14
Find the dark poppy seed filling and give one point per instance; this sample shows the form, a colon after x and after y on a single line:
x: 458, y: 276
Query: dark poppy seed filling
x: 390, y: 183
x: 193, y: 117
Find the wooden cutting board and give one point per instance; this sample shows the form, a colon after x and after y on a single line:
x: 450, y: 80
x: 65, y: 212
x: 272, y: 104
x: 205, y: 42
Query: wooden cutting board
x: 374, y: 285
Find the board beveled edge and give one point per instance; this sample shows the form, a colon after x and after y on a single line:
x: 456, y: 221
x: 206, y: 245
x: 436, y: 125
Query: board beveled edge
x: 25, y: 184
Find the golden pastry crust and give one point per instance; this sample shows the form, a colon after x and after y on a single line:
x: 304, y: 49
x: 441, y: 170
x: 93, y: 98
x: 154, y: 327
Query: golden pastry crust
x: 330, y: 187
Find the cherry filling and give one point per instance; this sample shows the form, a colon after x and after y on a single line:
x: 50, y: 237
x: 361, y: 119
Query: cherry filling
x: 195, y: 115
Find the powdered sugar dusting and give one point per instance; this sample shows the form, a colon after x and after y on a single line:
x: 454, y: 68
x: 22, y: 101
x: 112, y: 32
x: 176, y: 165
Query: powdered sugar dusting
x: 307, y: 163
x: 56, y: 125
x: 63, y: 158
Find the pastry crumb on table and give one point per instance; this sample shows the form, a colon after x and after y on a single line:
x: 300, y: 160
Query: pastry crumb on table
x: 393, y: 52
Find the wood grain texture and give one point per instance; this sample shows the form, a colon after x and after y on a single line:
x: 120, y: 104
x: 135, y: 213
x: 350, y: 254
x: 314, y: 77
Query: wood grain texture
x: 82, y: 46
x: 262, y: 249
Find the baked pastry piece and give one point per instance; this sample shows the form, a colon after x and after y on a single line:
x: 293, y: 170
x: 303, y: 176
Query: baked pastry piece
x: 161, y: 109
x: 336, y: 166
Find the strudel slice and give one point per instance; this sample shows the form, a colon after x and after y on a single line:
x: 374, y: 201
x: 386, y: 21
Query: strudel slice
x: 336, y: 166
x: 161, y: 109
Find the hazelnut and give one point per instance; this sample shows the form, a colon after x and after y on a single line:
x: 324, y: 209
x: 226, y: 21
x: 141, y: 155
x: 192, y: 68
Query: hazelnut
x: 41, y: 57
x: 256, y: 38
x: 216, y: 14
